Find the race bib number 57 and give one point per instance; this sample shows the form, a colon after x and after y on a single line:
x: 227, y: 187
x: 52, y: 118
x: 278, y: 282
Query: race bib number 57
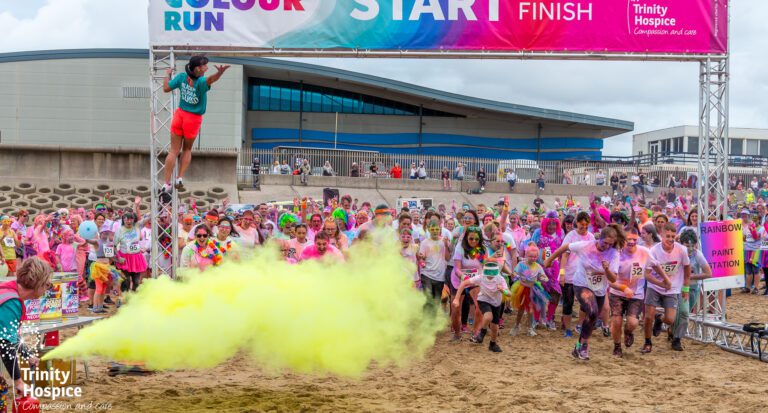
x: 669, y: 267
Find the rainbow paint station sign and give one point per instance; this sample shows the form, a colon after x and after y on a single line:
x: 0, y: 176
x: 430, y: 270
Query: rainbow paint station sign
x: 722, y: 243
x: 598, y: 26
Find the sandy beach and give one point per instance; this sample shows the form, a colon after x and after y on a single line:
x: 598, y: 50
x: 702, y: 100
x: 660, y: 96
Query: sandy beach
x: 532, y: 374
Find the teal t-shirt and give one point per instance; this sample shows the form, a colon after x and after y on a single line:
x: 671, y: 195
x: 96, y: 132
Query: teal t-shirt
x: 192, y: 99
x: 10, y: 317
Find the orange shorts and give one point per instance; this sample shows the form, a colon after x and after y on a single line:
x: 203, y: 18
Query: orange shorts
x: 11, y: 265
x: 185, y: 124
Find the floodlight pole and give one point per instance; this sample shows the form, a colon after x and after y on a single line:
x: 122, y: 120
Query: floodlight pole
x: 163, y: 215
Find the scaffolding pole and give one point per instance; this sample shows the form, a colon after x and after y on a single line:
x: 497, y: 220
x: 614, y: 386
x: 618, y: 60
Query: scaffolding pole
x: 164, y: 209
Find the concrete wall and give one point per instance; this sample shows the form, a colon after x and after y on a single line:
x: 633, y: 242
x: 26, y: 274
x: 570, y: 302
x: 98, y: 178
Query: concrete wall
x: 79, y: 102
x: 52, y: 165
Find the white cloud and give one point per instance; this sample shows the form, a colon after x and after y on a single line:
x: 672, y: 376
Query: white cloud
x: 74, y: 24
x: 653, y: 95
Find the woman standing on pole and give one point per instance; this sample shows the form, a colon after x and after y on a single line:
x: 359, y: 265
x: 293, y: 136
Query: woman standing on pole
x: 188, y: 117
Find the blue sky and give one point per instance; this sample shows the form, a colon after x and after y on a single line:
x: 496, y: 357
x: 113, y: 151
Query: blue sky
x: 653, y: 95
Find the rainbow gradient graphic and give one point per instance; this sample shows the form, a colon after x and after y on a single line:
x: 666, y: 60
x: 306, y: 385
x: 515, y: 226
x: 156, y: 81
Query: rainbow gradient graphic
x: 648, y: 26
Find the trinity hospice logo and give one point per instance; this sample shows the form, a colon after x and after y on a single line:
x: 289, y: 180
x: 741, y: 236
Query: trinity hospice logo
x: 208, y: 15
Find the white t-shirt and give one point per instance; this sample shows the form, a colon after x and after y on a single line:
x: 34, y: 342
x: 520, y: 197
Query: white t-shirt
x: 589, y: 273
x: 509, y: 244
x: 489, y: 288
x: 573, y: 259
x: 632, y: 272
x: 468, y: 266
x: 673, y: 264
x: 434, y: 261
x: 605, y: 199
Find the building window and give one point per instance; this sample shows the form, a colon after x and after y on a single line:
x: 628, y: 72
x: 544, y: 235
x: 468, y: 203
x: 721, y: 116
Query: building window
x: 764, y: 149
x: 693, y: 145
x: 753, y: 147
x: 282, y: 96
x: 677, y: 144
x: 737, y: 147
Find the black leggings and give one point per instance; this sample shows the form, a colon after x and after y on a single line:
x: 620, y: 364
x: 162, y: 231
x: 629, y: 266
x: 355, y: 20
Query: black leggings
x: 591, y: 305
x: 433, y: 289
x: 131, y: 281
x: 568, y: 299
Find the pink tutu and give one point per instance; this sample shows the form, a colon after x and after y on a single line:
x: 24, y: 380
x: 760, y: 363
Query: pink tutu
x: 133, y: 262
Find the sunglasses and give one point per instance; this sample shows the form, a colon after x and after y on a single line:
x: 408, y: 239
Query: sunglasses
x: 201, y: 235
x: 473, y: 239
x: 246, y: 219
x: 101, y: 209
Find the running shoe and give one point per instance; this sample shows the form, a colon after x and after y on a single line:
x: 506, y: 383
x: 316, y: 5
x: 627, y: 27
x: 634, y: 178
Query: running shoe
x: 99, y: 311
x: 606, y: 331
x: 108, y: 300
x: 514, y: 331
x: 568, y: 334
x: 166, y: 189
x: 578, y: 329
x: 463, y: 328
x: 179, y: 184
x: 455, y: 338
x: 494, y: 347
x: 677, y: 345
x: 617, y: 351
x: 629, y: 339
x: 551, y: 326
x: 532, y: 332
x: 657, y: 325
x: 581, y: 351
x: 647, y: 348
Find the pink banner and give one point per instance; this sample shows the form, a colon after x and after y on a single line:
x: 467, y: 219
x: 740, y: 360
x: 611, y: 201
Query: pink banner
x: 598, y: 26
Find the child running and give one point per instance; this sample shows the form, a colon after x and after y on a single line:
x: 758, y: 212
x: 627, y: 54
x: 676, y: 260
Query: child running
x: 627, y: 293
x: 492, y: 286
x: 528, y: 295
x: 673, y: 258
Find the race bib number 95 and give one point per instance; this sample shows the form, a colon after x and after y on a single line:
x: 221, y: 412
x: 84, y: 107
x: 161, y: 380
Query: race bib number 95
x: 134, y: 248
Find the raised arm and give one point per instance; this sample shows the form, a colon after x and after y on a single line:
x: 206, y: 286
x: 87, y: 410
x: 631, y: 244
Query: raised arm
x: 216, y: 76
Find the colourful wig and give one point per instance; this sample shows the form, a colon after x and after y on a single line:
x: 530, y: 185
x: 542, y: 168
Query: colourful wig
x: 339, y: 214
x: 604, y: 213
x: 551, y: 216
x: 286, y: 219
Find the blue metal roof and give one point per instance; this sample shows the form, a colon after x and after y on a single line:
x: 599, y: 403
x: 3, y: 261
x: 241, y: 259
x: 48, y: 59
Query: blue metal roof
x: 616, y: 125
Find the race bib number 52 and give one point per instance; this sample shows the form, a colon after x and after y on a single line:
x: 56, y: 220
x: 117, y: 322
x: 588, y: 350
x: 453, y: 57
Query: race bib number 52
x: 637, y: 271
